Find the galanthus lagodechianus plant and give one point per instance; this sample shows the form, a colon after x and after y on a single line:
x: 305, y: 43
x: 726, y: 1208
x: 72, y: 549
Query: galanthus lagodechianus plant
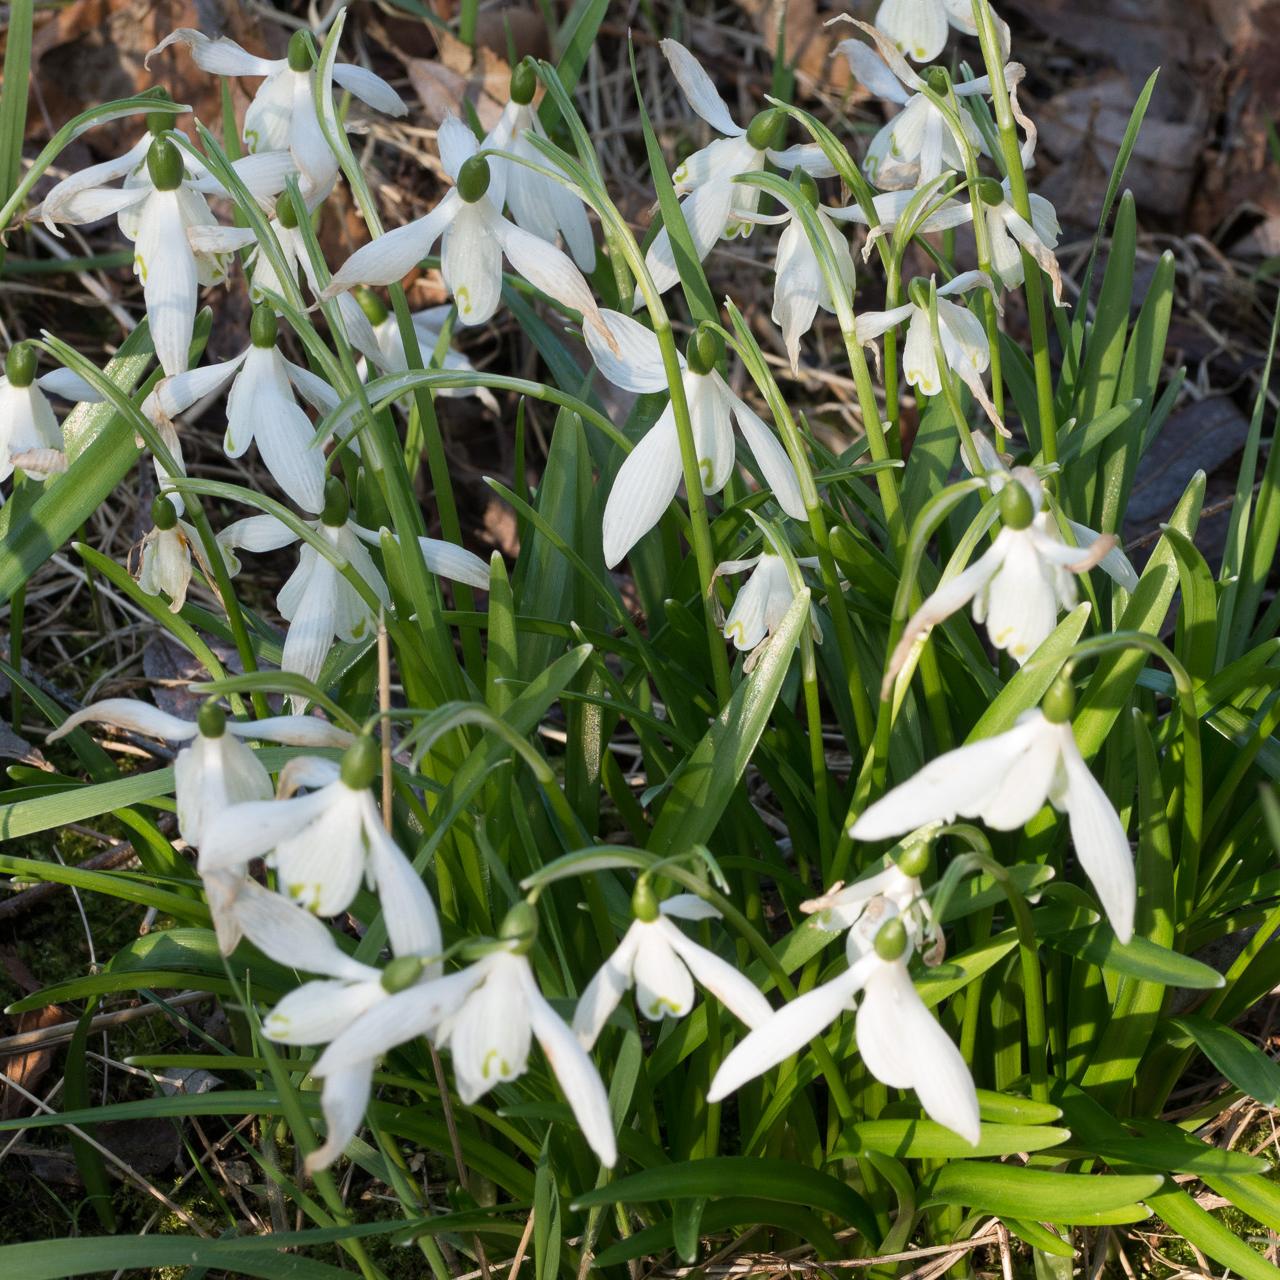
x: 621, y: 788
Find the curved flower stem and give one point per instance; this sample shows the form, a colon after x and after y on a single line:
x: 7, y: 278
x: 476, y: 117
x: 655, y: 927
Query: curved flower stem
x: 1021, y: 200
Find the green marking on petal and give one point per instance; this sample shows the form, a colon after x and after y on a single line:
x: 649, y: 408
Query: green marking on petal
x: 704, y: 465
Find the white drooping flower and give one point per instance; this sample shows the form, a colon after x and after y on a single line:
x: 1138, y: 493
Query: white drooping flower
x: 919, y: 27
x: 261, y: 407
x: 763, y: 602
x: 318, y: 601
x: 714, y: 206
x: 164, y: 556
x: 375, y: 333
x: 900, y: 1041
x: 283, y: 114
x: 663, y: 964
x: 1005, y: 781
x: 476, y: 237
x: 648, y: 479
x: 1021, y: 582
x: 324, y: 843
x: 30, y: 438
x: 541, y: 205
x: 1010, y: 233
x: 965, y: 347
x: 487, y: 1014
x: 326, y: 1010
x: 178, y: 244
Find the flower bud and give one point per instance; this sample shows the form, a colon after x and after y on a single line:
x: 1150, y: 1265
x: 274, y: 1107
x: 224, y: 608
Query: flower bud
x: 1059, y: 703
x: 918, y: 292
x: 891, y: 940
x: 644, y: 902
x: 300, y: 56
x: 263, y: 329
x: 520, y: 925
x: 164, y: 515
x: 808, y: 187
x: 211, y: 720
x: 938, y: 80
x: 371, y: 305
x: 914, y: 860
x: 286, y: 213
x: 702, y: 352
x: 473, y: 179
x: 990, y: 191
x: 1016, y: 508
x: 20, y: 365
x: 336, y: 504
x: 360, y: 763
x: 524, y: 82
x: 766, y: 131
x: 402, y: 973
x: 164, y: 164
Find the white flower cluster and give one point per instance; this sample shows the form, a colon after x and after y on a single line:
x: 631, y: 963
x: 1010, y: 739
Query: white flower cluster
x: 319, y: 828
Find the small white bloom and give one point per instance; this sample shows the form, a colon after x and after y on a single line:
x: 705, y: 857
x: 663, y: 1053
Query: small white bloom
x: 1018, y: 586
x: 964, y: 341
x: 763, y: 602
x: 322, y: 844
x: 900, y: 1041
x: 283, y: 114
x: 164, y: 562
x: 1010, y: 233
x: 1005, y: 780
x: 715, y: 206
x: 541, y: 205
x: 476, y: 237
x: 30, y: 437
x: 648, y: 479
x: 662, y: 964
x: 261, y: 407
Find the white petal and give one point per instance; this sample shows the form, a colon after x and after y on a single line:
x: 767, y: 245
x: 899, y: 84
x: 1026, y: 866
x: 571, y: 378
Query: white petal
x: 471, y: 262
x: 643, y: 488
x: 797, y: 290
x: 265, y: 174
x: 320, y: 1011
x: 266, y: 121
x: 1099, y: 838
x: 313, y: 622
x: 447, y: 560
x: 321, y: 865
x: 920, y: 356
x: 164, y: 262
x: 68, y: 386
x: 687, y: 906
x: 606, y: 988
x: 209, y: 776
x: 772, y: 459
x: 917, y: 27
x: 413, y: 928
x: 708, y: 401
x: 636, y: 364
x: 293, y: 731
x: 963, y: 338
x: 91, y: 205
x: 392, y: 256
x: 547, y: 268
x: 369, y: 88
x: 962, y: 781
x: 785, y: 1033
x: 307, y: 144
x: 871, y: 70
x: 904, y: 1047
x: 222, y: 57
x: 808, y: 156
x: 701, y: 93
x: 732, y: 988
x: 1020, y: 603
x: 579, y: 1080
x: 1115, y: 564
x: 747, y: 623
x: 255, y: 533
x: 706, y: 212
x: 343, y: 1100
x: 873, y: 324
x: 175, y: 395
x: 220, y: 240
x: 311, y: 387
x: 132, y: 716
x: 664, y: 988
x: 457, y: 145
x: 490, y: 1034
x: 96, y: 176
x: 294, y: 937
x: 247, y: 831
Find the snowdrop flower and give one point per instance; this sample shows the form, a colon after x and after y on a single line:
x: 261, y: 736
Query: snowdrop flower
x: 648, y: 479
x: 662, y: 964
x: 375, y: 333
x: 326, y: 1010
x: 539, y: 204
x: 165, y: 555
x: 715, y: 206
x: 964, y: 340
x: 762, y: 604
x: 1005, y: 781
x: 317, y: 601
x: 261, y: 407
x: 1018, y: 585
x: 475, y: 238
x: 283, y: 114
x: 1010, y: 233
x: 487, y: 1014
x: 322, y: 844
x: 900, y: 1042
x: 178, y: 244
x: 30, y: 437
